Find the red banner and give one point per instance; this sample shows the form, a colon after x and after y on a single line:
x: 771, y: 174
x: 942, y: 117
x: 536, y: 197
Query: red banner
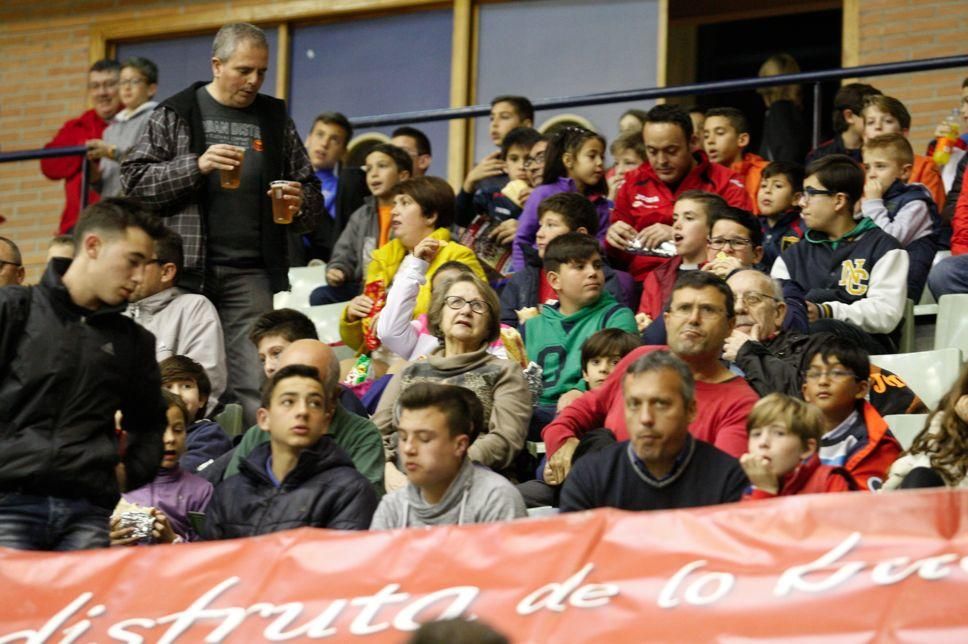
x: 829, y: 568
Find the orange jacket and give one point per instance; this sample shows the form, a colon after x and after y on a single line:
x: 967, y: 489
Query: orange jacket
x: 869, y: 465
x: 926, y: 171
x: 750, y: 169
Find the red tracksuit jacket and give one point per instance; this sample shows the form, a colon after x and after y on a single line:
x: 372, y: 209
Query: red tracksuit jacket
x: 644, y: 199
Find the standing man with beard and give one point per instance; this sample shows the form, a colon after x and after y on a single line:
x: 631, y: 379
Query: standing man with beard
x: 102, y: 86
x: 699, y: 319
x: 235, y: 252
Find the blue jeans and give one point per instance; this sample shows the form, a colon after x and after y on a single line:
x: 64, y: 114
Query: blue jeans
x: 335, y: 294
x: 950, y: 275
x: 30, y: 522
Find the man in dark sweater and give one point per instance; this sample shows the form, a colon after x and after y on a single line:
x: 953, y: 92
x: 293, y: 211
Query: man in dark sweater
x: 662, y: 466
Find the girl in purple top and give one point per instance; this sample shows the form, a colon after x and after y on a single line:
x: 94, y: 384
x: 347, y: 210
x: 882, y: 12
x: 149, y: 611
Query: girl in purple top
x: 575, y: 162
x: 174, y: 492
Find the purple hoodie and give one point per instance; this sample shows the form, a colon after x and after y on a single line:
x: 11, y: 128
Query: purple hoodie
x: 176, y: 493
x: 528, y: 221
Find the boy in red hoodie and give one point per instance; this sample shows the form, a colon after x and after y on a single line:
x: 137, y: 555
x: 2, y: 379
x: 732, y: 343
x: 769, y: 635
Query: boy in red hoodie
x: 725, y: 136
x: 783, y: 457
x: 855, y: 435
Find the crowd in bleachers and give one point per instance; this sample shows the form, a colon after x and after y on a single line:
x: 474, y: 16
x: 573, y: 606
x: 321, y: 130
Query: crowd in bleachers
x: 689, y: 324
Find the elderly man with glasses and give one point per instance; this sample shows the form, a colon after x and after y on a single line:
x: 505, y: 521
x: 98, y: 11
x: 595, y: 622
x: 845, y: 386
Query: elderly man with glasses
x: 774, y: 359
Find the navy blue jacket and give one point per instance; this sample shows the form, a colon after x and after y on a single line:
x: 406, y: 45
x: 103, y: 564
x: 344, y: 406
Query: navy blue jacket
x: 324, y: 490
x: 206, y: 441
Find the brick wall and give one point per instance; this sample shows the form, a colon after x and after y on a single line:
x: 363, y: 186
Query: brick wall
x: 892, y: 30
x: 45, y: 48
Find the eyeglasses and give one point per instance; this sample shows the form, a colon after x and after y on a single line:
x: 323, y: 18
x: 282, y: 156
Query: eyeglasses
x: 752, y: 298
x: 717, y: 243
x: 705, y: 310
x: 833, y: 374
x: 4, y: 262
x: 456, y: 302
x: 131, y: 82
x: 111, y: 84
x: 809, y: 193
x: 536, y: 159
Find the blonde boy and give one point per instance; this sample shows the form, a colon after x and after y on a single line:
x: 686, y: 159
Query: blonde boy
x: 904, y: 210
x: 784, y: 439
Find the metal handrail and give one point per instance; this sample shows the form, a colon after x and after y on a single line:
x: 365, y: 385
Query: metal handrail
x: 599, y: 98
x: 443, y: 114
x: 46, y: 153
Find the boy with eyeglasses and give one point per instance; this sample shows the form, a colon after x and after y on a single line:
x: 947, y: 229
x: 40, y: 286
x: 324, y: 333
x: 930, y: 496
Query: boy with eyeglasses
x: 735, y: 242
x: 853, y: 274
x: 855, y: 437
x: 553, y: 339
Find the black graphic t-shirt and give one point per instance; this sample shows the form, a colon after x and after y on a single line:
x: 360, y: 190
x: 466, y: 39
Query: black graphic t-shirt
x: 233, y: 215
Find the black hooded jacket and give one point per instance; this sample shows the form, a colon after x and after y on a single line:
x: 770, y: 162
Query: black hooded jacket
x: 324, y: 490
x: 64, y: 371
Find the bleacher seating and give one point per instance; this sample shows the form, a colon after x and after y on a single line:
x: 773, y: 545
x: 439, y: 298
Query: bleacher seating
x: 302, y: 279
x: 906, y: 427
x: 928, y: 373
x: 951, y: 329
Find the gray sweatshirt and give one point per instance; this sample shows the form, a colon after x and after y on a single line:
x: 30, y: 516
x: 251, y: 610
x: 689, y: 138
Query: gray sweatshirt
x: 477, y: 495
x: 124, y: 131
x: 185, y: 324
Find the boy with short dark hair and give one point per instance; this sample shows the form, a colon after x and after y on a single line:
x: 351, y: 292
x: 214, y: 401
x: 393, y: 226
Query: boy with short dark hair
x: 853, y: 273
x: 904, y: 210
x: 70, y: 360
x: 601, y: 351
x: 565, y: 212
x: 368, y: 227
x: 552, y: 339
x: 435, y: 424
x: 784, y: 445
x: 275, y: 330
x: 174, y: 493
x: 855, y: 435
x: 205, y: 440
x: 735, y: 242
x: 309, y: 480
x: 848, y: 122
x: 507, y: 113
x: 726, y: 135
x: 887, y: 115
x: 417, y: 145
x: 781, y: 187
x: 501, y: 196
x: 326, y: 144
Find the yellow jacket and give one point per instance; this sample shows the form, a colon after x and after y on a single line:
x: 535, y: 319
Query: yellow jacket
x: 387, y: 259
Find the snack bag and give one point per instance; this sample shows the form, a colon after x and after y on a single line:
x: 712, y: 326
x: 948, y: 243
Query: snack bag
x: 377, y: 292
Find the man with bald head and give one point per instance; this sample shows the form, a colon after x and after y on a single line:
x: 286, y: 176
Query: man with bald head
x: 11, y: 263
x: 773, y: 359
x: 358, y: 437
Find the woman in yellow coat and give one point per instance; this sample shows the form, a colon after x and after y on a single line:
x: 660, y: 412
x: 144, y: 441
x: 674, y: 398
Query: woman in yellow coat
x: 423, y: 209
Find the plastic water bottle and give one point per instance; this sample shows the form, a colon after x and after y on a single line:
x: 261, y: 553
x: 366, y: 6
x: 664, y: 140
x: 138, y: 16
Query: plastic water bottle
x: 944, y: 144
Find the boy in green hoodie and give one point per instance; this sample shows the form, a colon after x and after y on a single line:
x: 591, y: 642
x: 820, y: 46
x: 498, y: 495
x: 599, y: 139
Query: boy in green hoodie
x: 553, y: 339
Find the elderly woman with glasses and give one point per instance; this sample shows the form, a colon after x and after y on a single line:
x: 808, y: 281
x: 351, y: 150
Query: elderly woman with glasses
x: 464, y: 315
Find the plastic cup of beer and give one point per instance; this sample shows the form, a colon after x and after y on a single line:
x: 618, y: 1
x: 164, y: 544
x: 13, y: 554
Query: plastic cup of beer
x: 231, y: 179
x: 281, y: 214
